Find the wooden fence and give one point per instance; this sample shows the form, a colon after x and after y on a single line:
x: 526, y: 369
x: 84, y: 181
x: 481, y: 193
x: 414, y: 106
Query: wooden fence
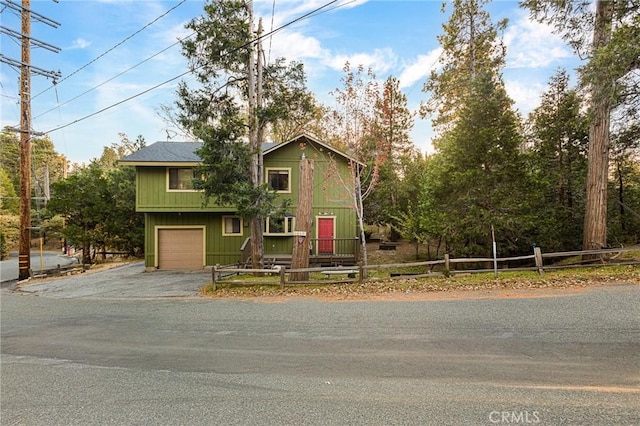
x: 537, y: 261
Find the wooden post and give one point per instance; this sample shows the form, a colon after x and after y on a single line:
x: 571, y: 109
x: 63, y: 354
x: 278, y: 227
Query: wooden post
x: 301, y: 234
x: 24, y: 255
x: 538, y: 256
x: 447, y: 263
x: 282, y: 271
x: 360, y: 272
x: 213, y: 276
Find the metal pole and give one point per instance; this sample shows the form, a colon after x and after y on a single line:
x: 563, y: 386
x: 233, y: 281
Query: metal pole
x: 495, y: 253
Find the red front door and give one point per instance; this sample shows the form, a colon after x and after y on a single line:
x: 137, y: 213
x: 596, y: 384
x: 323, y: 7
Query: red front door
x: 325, y: 235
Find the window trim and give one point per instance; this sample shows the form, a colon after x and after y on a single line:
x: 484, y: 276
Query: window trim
x: 234, y: 234
x: 289, y: 226
x: 168, y: 177
x: 279, y: 169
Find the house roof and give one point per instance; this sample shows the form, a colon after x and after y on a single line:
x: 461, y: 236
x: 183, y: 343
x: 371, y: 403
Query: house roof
x: 184, y: 153
x: 164, y: 152
x: 270, y: 147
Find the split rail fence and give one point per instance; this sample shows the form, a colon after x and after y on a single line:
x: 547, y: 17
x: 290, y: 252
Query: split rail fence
x: 537, y: 261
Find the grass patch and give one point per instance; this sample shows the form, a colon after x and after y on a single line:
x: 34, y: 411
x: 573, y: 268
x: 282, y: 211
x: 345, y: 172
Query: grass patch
x: 378, y: 285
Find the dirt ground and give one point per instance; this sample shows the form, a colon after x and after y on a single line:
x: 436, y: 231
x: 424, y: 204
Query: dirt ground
x: 460, y: 286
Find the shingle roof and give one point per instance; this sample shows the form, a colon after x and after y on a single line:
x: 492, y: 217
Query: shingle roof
x: 160, y: 153
x: 166, y: 152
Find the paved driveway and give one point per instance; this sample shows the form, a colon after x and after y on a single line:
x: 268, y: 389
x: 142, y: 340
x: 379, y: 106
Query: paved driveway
x: 121, y: 282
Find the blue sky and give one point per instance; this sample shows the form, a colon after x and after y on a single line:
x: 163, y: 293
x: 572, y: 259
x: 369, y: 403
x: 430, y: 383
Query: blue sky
x: 392, y: 37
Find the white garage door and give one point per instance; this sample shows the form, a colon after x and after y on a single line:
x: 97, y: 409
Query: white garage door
x: 180, y: 248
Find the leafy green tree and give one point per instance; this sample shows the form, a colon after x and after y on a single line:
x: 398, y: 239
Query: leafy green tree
x: 8, y: 197
x: 559, y: 132
x: 236, y: 98
x: 124, y: 227
x: 9, y: 233
x: 10, y: 156
x: 117, y: 150
x: 481, y: 179
x: 612, y: 54
x: 624, y: 213
x: 478, y: 176
x: 97, y: 203
x: 82, y: 200
x: 47, y: 165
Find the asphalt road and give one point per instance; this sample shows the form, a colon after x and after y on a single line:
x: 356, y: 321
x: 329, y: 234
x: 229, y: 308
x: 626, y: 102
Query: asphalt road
x: 9, y: 267
x: 571, y: 359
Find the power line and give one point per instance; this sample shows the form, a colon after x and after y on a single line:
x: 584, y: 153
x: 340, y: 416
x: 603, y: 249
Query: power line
x: 113, y: 78
x: 305, y: 16
x: 111, y: 49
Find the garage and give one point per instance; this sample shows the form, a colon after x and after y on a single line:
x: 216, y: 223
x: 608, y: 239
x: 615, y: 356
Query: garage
x: 180, y: 248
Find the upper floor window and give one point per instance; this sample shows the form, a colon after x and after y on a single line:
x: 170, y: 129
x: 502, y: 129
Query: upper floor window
x: 279, y: 179
x: 181, y: 178
x: 231, y: 225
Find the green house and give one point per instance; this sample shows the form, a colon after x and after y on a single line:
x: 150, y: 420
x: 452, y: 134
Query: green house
x: 182, y: 232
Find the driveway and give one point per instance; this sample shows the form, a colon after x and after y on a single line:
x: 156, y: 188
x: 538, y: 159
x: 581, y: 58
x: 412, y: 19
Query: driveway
x: 121, y: 282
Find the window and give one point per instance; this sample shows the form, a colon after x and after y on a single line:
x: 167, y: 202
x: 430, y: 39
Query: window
x: 278, y: 179
x: 231, y: 225
x: 279, y: 225
x: 181, y: 178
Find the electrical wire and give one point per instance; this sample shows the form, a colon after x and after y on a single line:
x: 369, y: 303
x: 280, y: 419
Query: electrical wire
x: 111, y: 49
x: 113, y: 78
x: 305, y: 16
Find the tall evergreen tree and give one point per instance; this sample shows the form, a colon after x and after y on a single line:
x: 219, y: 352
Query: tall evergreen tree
x: 235, y: 99
x: 559, y: 133
x: 612, y: 52
x: 478, y: 178
x: 482, y: 180
x: 471, y: 46
x: 393, y: 122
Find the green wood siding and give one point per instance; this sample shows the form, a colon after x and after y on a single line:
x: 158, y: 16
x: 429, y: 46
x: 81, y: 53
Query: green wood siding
x: 219, y: 249
x: 165, y: 208
x: 152, y: 194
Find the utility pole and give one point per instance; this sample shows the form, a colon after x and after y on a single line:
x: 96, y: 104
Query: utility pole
x: 24, y: 255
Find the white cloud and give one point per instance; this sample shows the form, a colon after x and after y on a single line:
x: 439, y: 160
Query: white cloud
x: 533, y: 45
x: 294, y: 46
x: 420, y: 68
x: 79, y: 43
x: 526, y: 95
x: 380, y: 61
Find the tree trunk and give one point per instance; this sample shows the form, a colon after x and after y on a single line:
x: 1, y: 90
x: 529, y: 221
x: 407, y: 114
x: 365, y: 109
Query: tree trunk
x: 595, y: 219
x: 257, y: 243
x: 360, y: 214
x: 300, y: 255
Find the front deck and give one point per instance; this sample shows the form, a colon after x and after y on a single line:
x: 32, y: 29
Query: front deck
x: 342, y: 252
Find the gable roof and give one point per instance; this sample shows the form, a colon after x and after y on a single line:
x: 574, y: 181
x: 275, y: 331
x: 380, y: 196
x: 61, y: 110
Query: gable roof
x: 268, y: 148
x: 184, y: 153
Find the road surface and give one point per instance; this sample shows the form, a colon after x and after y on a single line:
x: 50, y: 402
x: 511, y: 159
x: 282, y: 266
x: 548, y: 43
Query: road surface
x: 569, y: 359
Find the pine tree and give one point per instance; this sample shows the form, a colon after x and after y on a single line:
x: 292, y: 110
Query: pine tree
x: 471, y: 46
x: 235, y: 99
x: 559, y: 135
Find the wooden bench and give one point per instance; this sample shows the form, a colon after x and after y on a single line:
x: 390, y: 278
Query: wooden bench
x: 350, y: 273
x: 386, y: 245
